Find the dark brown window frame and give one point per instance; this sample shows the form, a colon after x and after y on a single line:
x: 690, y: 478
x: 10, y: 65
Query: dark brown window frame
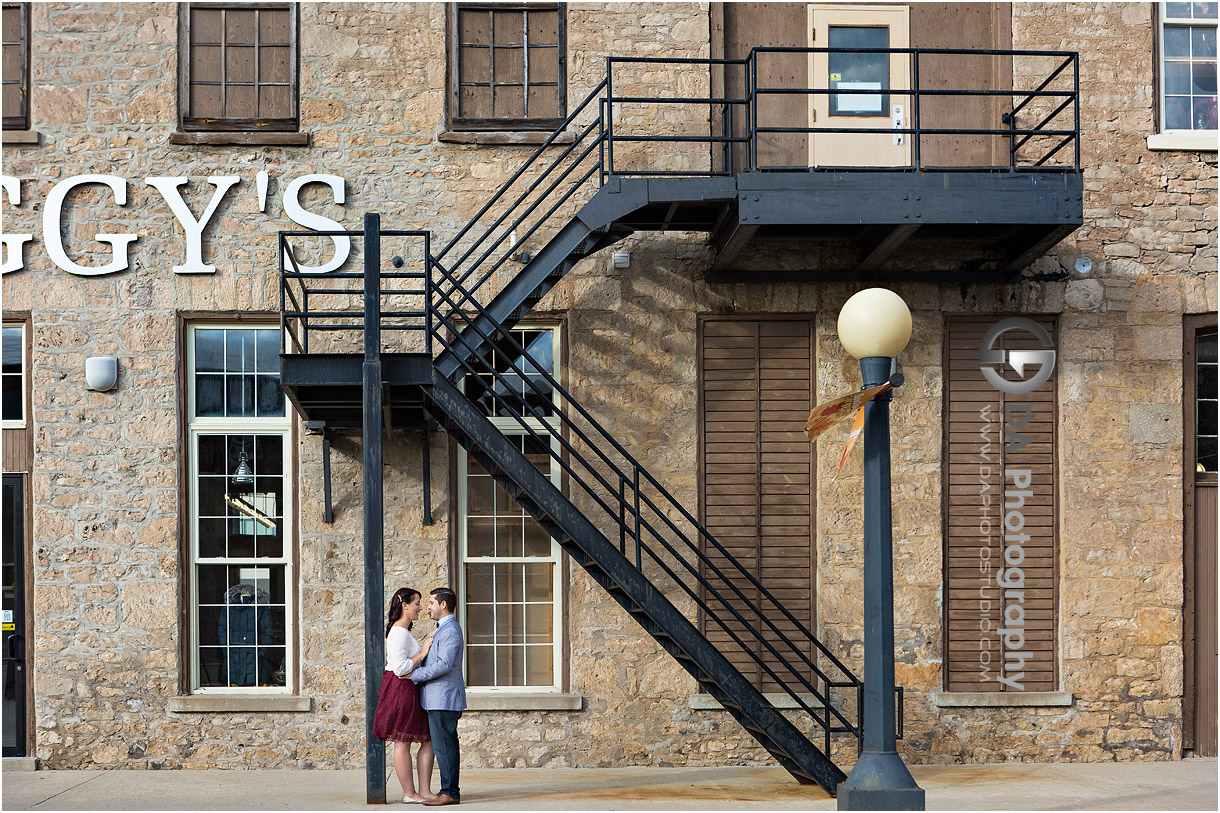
x: 189, y: 124
x: 22, y: 121
x: 453, y: 80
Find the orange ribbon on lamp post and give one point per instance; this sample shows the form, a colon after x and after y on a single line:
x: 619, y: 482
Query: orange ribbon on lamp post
x: 840, y: 409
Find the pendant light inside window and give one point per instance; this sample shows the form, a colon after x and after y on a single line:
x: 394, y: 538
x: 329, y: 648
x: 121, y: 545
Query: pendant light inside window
x: 243, y: 476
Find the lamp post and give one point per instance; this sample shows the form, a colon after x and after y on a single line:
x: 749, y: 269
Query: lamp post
x: 875, y: 326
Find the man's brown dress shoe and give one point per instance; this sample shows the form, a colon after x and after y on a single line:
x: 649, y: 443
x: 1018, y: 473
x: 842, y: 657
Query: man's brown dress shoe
x: 442, y: 799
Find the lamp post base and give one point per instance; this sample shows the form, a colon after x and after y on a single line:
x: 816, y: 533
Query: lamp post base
x: 880, y: 781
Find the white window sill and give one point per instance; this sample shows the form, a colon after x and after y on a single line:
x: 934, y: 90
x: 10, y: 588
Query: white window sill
x: 780, y: 700
x: 20, y: 764
x: 237, y: 703
x: 1199, y: 142
x: 998, y: 699
x: 522, y: 701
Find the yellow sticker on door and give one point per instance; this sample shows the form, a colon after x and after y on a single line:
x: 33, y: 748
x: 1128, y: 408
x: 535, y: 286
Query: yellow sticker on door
x: 836, y: 77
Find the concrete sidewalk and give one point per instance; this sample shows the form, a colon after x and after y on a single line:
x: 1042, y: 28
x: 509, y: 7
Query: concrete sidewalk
x: 1187, y: 785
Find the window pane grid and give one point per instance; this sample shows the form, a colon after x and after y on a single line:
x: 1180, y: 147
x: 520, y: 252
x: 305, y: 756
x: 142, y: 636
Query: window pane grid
x: 1206, y: 403
x: 237, y: 374
x: 15, y: 77
x: 12, y: 375
x: 237, y: 55
x: 241, y: 519
x: 511, y: 638
x: 510, y: 565
x: 1188, y: 66
x: 511, y: 392
x: 1190, y: 11
x: 241, y: 625
x: 240, y: 570
x: 509, y: 64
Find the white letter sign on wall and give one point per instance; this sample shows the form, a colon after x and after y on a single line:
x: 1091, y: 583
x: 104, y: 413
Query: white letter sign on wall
x: 12, y: 243
x: 51, y: 223
x: 168, y: 187
x: 292, y: 206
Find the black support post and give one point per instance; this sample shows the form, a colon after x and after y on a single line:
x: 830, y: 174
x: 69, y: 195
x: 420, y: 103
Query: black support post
x: 426, y: 454
x: 328, y: 511
x: 880, y: 780
x: 374, y: 579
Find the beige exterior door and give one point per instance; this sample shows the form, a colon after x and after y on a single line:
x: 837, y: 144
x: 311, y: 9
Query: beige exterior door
x: 871, y: 87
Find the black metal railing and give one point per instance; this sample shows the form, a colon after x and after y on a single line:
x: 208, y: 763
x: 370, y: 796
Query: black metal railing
x: 747, y: 116
x: 517, y: 214
x: 614, y: 130
x: 642, y: 513
x: 333, y: 303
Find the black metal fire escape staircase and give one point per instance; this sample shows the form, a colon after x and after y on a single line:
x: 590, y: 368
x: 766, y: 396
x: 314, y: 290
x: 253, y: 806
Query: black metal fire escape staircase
x: 613, y: 517
x: 662, y: 555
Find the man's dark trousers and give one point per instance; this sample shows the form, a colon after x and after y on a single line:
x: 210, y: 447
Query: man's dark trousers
x: 442, y: 725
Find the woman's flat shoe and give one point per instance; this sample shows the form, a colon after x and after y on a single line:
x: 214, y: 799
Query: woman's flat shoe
x: 407, y: 800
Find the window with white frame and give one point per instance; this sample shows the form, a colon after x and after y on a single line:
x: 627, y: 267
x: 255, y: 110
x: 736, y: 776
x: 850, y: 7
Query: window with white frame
x: 510, y: 584
x: 12, y: 376
x: 1188, y: 67
x: 241, y: 518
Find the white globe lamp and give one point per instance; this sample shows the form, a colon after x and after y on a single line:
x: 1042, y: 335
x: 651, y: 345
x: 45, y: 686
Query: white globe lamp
x: 875, y: 322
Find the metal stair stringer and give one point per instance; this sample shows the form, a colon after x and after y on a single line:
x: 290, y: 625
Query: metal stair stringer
x: 628, y: 585
x: 590, y: 230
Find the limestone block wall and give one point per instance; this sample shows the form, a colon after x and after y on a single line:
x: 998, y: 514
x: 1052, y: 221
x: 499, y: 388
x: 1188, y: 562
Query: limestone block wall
x: 108, y: 487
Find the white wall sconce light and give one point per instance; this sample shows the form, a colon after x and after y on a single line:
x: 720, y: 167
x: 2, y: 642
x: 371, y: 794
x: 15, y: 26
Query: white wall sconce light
x: 101, y: 373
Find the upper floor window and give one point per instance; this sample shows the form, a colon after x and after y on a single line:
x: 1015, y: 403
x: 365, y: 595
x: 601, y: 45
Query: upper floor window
x: 16, y: 81
x: 507, y: 67
x: 238, y: 67
x: 12, y: 347
x: 1188, y: 67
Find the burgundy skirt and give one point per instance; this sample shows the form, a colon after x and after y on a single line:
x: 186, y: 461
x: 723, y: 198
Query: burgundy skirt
x: 399, y: 716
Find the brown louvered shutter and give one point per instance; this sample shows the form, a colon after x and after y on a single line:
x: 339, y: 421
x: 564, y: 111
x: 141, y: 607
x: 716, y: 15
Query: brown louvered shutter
x: 977, y: 454
x: 757, y: 481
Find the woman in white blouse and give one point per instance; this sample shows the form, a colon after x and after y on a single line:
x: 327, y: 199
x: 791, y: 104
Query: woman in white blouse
x: 399, y: 716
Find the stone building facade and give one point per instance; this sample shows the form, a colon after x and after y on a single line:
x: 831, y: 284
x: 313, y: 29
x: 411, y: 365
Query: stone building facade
x: 108, y: 485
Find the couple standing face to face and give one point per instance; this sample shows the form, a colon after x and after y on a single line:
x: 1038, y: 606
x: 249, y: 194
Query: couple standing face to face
x: 411, y: 609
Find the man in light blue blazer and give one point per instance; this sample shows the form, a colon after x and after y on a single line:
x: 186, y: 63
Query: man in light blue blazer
x: 442, y: 691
